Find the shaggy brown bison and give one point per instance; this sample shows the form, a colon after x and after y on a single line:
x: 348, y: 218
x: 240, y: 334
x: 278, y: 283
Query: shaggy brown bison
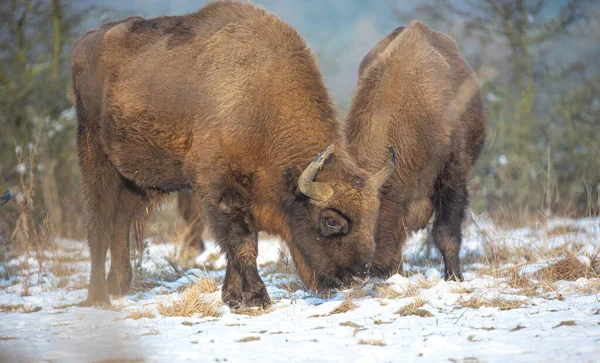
x: 417, y: 93
x: 227, y: 101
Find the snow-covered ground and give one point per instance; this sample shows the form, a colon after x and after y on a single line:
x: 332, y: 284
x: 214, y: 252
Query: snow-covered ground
x: 513, y: 306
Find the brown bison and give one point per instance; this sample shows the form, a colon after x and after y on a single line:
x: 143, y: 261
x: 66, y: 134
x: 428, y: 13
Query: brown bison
x: 417, y: 93
x: 227, y: 101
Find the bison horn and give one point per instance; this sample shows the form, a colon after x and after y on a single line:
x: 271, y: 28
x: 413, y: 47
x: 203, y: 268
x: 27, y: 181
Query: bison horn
x: 5, y: 198
x: 379, y: 178
x: 316, y: 191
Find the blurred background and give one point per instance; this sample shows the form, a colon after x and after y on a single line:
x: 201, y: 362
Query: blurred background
x: 537, y: 61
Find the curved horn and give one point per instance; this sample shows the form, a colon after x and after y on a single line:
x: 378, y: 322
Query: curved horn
x: 379, y: 178
x: 5, y: 198
x: 316, y: 191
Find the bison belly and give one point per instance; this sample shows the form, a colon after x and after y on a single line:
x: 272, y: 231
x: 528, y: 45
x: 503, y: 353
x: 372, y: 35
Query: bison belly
x: 148, y: 152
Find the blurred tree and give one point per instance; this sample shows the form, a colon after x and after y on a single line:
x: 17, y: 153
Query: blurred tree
x: 35, y: 39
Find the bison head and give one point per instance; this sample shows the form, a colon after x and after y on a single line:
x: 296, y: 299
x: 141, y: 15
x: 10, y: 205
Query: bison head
x: 332, y: 217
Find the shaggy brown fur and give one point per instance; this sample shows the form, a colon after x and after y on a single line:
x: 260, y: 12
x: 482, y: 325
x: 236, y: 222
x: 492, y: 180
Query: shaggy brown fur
x: 416, y: 92
x: 228, y: 101
x: 189, y: 209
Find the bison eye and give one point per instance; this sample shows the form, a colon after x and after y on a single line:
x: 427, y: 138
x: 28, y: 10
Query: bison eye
x: 333, y: 223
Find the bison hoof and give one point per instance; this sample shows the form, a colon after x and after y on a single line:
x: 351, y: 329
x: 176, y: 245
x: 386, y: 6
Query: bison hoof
x: 118, y: 286
x: 233, y: 299
x: 94, y: 303
x: 453, y: 276
x: 97, y: 299
x: 257, y: 299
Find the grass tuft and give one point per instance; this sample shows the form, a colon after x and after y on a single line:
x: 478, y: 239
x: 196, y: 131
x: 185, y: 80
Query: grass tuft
x: 375, y: 342
x: 502, y: 304
x: 139, y: 314
x: 569, y: 268
x: 248, y: 339
x: 194, y: 301
x: 19, y: 308
x: 414, y: 308
x: 350, y: 324
x: 345, y: 306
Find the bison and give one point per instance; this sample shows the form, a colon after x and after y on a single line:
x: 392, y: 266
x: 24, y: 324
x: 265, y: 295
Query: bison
x: 417, y: 93
x: 227, y: 101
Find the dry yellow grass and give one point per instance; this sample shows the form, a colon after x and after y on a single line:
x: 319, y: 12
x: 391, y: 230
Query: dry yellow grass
x: 350, y: 324
x: 502, y: 304
x: 561, y: 230
x: 345, y: 306
x: 139, y: 314
x: 248, y: 339
x: 19, y: 308
x: 194, y: 301
x: 375, y: 342
x: 388, y: 292
x: 568, y: 268
x: 414, y: 308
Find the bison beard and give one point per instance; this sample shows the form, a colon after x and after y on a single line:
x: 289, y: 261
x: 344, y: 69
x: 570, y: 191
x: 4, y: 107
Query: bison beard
x: 227, y: 101
x: 416, y: 92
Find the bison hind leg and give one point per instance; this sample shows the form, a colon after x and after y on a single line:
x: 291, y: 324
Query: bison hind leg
x: 131, y: 205
x: 451, y: 201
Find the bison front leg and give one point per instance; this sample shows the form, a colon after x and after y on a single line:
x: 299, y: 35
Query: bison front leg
x: 235, y: 231
x: 389, y: 238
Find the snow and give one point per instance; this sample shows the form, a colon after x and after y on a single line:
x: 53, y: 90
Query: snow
x: 467, y: 322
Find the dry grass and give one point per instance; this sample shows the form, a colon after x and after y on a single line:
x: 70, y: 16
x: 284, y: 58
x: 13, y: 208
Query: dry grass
x: 381, y: 322
x: 345, y: 306
x: 569, y: 268
x: 139, y: 314
x: 194, y: 301
x: 565, y: 323
x: 375, y: 342
x: 386, y: 291
x: 350, y: 324
x: 414, y: 308
x: 19, y: 308
x: 561, y: 230
x: 502, y: 304
x: 248, y: 339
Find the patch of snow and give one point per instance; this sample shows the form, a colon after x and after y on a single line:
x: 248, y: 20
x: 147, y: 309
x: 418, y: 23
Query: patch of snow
x: 560, y: 324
